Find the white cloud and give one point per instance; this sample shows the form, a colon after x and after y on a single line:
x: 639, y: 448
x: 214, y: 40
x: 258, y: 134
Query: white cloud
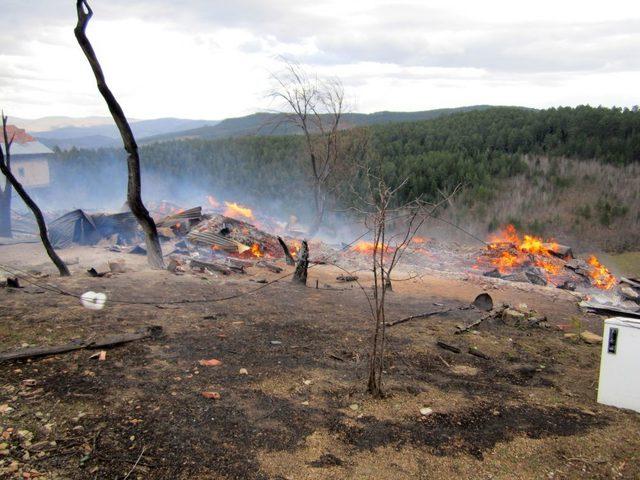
x: 203, y: 59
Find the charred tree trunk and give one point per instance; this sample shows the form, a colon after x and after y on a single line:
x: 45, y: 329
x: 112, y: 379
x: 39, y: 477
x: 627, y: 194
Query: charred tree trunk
x: 134, y: 198
x: 300, y: 275
x: 287, y: 253
x: 5, y: 210
x: 5, y: 195
x: 4, y: 167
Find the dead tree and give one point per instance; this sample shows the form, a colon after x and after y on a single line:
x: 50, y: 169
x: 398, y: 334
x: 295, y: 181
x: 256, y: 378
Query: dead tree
x: 300, y: 275
x: 389, y: 244
x: 315, y: 107
x: 7, y: 191
x: 134, y: 198
x: 5, y: 167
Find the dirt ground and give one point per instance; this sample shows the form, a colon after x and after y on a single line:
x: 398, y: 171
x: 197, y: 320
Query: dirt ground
x: 299, y: 409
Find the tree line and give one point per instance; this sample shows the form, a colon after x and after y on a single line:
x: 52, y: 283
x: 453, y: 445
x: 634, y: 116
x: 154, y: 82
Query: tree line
x: 475, y: 149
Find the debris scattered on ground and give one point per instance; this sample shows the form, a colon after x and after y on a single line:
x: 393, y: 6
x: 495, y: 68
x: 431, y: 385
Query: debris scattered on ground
x: 210, y: 363
x: 590, y: 337
x: 211, y: 395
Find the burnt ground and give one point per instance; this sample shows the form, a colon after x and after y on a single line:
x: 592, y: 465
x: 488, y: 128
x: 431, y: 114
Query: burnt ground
x: 301, y: 412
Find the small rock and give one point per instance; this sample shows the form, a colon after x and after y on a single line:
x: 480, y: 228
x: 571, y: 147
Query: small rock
x: 425, y: 411
x: 590, y: 337
x: 512, y: 317
x: 354, y: 406
x: 307, y: 382
x: 570, y: 336
x: 306, y: 402
x: 25, y: 435
x: 275, y: 342
x: 243, y: 371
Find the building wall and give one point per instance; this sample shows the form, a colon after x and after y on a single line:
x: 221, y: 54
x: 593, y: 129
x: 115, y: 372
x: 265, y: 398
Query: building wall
x: 33, y: 172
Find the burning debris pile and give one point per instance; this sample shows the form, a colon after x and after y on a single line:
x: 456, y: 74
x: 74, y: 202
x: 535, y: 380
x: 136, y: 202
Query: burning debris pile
x: 528, y: 258
x: 531, y: 259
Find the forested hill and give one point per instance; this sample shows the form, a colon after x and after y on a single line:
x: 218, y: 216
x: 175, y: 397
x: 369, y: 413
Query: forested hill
x: 610, y: 135
x: 274, y: 124
x: 484, y: 150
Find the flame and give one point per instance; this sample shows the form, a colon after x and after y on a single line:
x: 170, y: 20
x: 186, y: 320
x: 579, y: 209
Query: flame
x: 512, y: 252
x: 369, y: 247
x: 212, y: 201
x: 256, y: 251
x: 600, y: 275
x: 515, y: 253
x: 235, y: 210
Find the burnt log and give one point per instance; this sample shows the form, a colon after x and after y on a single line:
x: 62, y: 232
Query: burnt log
x: 107, y: 341
x: 300, y: 275
x: 212, y: 267
x: 448, y: 347
x: 287, y: 254
x: 269, y: 266
x: 420, y: 315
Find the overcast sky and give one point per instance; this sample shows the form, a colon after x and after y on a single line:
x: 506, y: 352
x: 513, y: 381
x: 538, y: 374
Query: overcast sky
x: 212, y: 59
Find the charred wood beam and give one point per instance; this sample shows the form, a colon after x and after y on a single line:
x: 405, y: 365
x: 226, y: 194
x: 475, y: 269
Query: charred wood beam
x: 107, y: 341
x: 300, y: 275
x: 134, y: 194
x: 212, y: 267
x: 287, y: 254
x: 420, y: 315
x: 269, y: 266
x: 17, y: 186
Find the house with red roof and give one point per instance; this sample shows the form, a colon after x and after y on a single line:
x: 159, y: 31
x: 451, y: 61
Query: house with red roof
x: 29, y: 158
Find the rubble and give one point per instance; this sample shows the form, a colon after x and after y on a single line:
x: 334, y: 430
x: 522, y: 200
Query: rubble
x: 590, y: 337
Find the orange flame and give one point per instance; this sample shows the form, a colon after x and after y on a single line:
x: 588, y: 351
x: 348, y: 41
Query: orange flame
x: 235, y: 210
x: 531, y: 250
x: 256, y: 251
x: 369, y: 247
x: 600, y: 275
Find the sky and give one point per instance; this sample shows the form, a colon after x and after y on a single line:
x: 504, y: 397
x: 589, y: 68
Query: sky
x: 213, y: 59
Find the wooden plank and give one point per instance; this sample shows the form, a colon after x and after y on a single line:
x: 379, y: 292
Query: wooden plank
x: 107, y: 341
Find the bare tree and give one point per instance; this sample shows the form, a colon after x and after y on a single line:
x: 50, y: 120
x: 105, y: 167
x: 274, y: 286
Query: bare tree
x: 5, y: 168
x: 316, y: 108
x: 394, y: 227
x: 134, y: 198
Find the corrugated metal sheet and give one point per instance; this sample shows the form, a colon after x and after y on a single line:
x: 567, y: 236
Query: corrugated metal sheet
x: 194, y: 213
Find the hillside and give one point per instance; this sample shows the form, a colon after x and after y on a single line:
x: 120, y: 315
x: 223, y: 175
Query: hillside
x: 522, y: 166
x: 275, y: 124
x: 106, y: 134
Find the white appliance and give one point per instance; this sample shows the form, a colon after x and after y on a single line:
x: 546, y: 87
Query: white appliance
x: 619, y: 384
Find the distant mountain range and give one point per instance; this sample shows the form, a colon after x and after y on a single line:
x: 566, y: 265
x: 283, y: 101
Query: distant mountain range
x: 97, y: 132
